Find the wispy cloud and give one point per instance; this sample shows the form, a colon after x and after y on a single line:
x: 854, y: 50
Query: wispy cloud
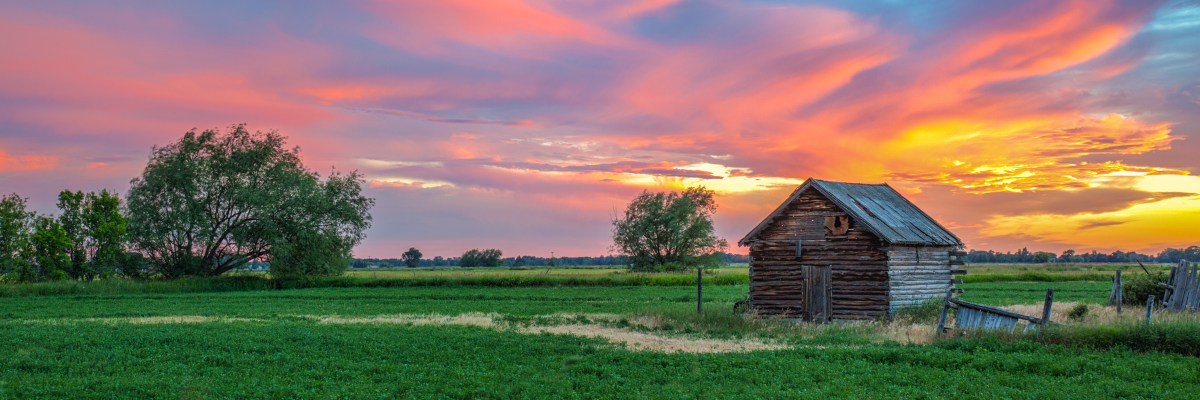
x: 489, y: 117
x: 434, y: 118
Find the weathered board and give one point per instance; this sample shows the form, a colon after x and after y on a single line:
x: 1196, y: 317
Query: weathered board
x: 820, y: 292
x: 1183, y: 288
x: 917, y: 274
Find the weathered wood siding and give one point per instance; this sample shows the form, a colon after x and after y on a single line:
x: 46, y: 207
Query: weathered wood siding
x: 858, y: 264
x: 917, y: 273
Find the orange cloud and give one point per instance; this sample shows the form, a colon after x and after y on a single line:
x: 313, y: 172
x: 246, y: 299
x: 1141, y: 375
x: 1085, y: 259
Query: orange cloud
x: 1020, y: 155
x: 22, y: 163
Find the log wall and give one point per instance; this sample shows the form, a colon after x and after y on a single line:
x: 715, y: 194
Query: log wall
x: 916, y: 274
x: 858, y: 263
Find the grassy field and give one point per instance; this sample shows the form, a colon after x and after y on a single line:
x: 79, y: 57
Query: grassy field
x: 1067, y: 269
x: 583, y: 271
x: 549, y: 342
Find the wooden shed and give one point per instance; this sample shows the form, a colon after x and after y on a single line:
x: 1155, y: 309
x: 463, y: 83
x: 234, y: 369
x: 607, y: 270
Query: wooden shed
x: 838, y: 250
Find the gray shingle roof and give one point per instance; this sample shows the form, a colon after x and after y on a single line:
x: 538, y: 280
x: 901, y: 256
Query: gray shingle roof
x: 879, y: 208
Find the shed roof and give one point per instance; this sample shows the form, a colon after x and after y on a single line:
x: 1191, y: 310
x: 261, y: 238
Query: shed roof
x: 879, y: 208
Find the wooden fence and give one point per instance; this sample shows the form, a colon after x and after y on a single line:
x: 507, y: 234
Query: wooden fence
x: 1182, y: 288
x: 983, y: 317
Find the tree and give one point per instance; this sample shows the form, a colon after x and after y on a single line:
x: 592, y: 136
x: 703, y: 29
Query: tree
x: 471, y: 258
x: 48, y: 251
x: 71, y: 205
x: 490, y: 258
x: 412, y: 257
x: 212, y: 202
x: 106, y: 230
x: 1067, y: 256
x: 668, y: 231
x: 15, y: 227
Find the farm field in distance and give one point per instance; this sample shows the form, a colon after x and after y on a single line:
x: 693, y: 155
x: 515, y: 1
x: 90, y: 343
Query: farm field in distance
x: 596, y: 270
x: 561, y: 342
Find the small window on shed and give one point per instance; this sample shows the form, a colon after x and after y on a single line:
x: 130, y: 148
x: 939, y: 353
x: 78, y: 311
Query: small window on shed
x: 837, y: 225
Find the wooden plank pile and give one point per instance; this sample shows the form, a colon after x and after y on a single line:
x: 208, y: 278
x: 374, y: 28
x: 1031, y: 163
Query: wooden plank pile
x: 974, y: 316
x: 1183, y: 288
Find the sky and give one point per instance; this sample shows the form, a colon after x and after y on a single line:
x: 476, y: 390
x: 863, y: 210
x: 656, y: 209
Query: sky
x: 527, y: 125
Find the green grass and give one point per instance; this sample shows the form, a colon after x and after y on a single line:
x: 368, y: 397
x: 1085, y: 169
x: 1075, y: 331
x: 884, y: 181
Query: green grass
x: 373, y: 301
x: 1067, y: 269
x: 283, y: 360
x: 296, y: 359
x: 253, y: 282
x: 1009, y: 292
x: 1037, y: 277
x: 52, y: 345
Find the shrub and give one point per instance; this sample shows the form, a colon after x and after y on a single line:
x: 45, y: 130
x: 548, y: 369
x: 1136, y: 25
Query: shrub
x: 1136, y: 288
x: 1078, y: 312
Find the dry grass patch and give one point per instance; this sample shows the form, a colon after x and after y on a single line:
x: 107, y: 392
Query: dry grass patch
x: 1099, y: 314
x: 651, y: 342
x: 168, y: 319
x: 468, y: 319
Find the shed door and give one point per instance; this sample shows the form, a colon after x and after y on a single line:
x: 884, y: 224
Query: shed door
x: 818, y: 289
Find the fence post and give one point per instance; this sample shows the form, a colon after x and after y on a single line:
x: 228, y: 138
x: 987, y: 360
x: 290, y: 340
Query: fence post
x: 1149, y: 308
x: 1112, y: 293
x: 1046, y: 308
x: 941, y: 326
x: 699, y: 292
x: 1117, y: 288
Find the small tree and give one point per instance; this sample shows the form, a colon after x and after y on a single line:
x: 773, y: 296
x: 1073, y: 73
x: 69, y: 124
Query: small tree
x: 71, y: 205
x: 668, y: 231
x: 15, y: 227
x: 105, y: 228
x: 49, y: 249
x: 412, y: 257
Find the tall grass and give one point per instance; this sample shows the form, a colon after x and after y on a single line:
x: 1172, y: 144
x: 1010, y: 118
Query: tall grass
x: 1179, y: 337
x: 925, y: 312
x: 259, y: 282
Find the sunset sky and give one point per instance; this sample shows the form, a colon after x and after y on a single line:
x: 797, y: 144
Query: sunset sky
x: 525, y: 125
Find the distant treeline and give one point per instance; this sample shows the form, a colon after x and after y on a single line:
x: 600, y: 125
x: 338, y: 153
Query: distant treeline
x: 522, y: 261
x: 1168, y: 255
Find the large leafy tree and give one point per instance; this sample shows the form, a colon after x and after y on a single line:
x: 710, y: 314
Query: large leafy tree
x: 412, y: 257
x: 213, y: 201
x: 668, y: 230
